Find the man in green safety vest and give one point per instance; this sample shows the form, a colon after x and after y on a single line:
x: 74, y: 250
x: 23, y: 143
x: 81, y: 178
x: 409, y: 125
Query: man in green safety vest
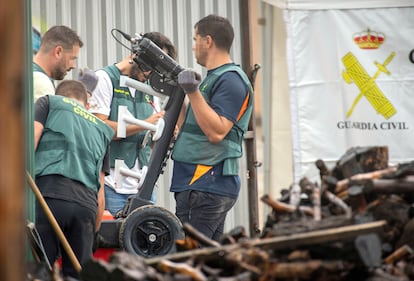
x: 71, y: 156
x: 208, y: 147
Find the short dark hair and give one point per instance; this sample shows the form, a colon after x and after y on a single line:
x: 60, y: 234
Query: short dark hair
x: 219, y: 28
x: 162, y: 41
x: 60, y: 35
x: 72, y: 89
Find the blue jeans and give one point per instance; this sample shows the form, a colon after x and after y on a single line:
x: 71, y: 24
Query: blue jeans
x: 115, y: 202
x: 204, y: 211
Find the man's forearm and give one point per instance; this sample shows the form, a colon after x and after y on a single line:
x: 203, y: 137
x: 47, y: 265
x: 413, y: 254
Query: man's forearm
x: 101, y: 202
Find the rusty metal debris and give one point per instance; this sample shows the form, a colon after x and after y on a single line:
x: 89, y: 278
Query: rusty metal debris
x: 357, y: 223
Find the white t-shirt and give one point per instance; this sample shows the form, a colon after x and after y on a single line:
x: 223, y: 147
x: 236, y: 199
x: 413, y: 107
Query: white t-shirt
x: 100, y: 102
x: 42, y: 85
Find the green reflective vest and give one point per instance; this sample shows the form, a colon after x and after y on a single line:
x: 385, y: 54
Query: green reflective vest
x: 129, y: 148
x: 192, y: 146
x: 73, y: 143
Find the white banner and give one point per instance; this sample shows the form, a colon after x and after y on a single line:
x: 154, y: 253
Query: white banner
x: 338, y: 4
x: 351, y: 83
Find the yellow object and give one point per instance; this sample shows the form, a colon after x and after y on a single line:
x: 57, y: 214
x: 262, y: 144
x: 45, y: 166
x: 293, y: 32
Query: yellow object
x: 356, y: 73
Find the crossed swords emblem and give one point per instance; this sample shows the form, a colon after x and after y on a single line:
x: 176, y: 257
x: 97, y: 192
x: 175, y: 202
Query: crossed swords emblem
x: 356, y: 73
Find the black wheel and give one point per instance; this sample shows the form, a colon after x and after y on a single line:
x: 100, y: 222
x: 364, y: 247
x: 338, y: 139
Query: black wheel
x: 150, y: 231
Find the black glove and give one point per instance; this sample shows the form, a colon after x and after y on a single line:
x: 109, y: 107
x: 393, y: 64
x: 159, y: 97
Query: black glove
x: 189, y: 80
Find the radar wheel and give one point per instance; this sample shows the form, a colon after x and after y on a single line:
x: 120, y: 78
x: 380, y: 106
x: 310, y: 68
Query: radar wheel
x: 150, y: 231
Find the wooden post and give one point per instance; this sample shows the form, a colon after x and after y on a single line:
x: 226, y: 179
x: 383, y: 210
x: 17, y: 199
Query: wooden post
x: 246, y: 7
x: 12, y: 222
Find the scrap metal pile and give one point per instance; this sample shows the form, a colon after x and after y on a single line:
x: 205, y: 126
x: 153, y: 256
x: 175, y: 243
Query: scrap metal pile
x: 363, y: 187
x: 356, y: 224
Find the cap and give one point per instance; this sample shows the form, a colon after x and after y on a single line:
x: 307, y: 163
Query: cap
x: 88, y: 78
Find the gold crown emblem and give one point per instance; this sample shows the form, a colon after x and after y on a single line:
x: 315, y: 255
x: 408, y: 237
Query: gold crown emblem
x: 369, y: 39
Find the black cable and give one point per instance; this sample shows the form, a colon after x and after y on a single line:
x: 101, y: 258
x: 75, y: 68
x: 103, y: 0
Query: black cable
x: 124, y: 35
